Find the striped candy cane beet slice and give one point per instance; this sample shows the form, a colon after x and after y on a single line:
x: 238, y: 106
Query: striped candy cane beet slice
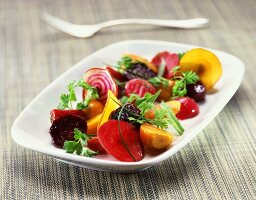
x: 139, y: 87
x: 102, y: 80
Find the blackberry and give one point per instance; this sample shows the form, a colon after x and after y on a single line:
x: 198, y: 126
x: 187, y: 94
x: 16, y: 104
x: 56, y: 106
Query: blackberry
x: 139, y: 70
x: 129, y: 110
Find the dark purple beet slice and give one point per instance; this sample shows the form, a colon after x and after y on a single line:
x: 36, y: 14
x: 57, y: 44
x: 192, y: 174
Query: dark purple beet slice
x: 62, y: 129
x: 139, y: 70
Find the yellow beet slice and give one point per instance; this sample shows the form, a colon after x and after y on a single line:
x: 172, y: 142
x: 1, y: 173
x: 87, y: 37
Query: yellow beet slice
x: 142, y: 60
x: 204, y: 63
x: 174, y: 105
x: 154, y: 138
x: 92, y: 124
x: 166, y: 92
x: 94, y: 108
x: 111, y: 105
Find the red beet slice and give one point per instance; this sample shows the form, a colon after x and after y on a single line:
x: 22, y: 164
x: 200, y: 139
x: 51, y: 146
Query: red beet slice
x: 116, y: 75
x: 56, y: 113
x: 94, y: 144
x: 62, y: 129
x: 125, y: 145
x: 139, y: 87
x: 171, y: 60
x: 188, y: 109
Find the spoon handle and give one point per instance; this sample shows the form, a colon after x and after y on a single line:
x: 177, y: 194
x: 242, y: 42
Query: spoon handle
x: 185, y: 23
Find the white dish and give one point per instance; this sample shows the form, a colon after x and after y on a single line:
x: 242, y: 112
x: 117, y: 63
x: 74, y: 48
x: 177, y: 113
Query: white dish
x: 31, y: 128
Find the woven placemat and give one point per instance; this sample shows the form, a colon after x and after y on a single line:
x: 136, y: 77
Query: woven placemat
x: 218, y: 164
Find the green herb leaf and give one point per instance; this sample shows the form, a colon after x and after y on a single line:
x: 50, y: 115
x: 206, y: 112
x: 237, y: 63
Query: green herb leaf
x: 79, y: 144
x: 71, y: 87
x: 180, y: 55
x: 120, y: 84
x: 172, y: 118
x: 124, y: 62
x: 162, y: 117
x: 191, y: 77
x: 67, y: 99
x: 64, y: 101
x: 175, y: 69
x: 158, y: 81
x: 179, y: 89
x: 143, y: 103
x: 182, y: 80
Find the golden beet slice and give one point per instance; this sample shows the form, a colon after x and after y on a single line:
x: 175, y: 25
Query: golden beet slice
x: 111, y: 105
x: 204, y: 63
x: 154, y: 138
x: 173, y: 104
x: 92, y: 124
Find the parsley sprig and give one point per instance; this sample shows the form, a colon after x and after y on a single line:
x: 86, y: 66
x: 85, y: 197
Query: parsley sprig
x: 180, y: 55
x: 78, y: 146
x: 66, y: 100
x: 124, y: 62
x: 159, y: 81
x: 163, y: 117
x: 182, y: 79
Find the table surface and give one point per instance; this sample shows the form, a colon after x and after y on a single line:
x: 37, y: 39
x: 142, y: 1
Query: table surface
x: 220, y: 163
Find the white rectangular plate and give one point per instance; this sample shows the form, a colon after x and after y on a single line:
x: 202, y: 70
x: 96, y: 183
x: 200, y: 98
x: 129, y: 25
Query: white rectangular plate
x: 31, y: 128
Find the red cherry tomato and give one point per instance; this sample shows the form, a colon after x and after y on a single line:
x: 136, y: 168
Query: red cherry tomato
x: 124, y: 143
x: 188, y: 109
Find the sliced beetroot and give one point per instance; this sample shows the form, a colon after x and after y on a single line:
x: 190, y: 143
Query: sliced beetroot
x: 124, y: 144
x: 102, y: 80
x: 62, y: 129
x: 94, y: 144
x: 116, y: 75
x: 188, y: 108
x: 56, y: 113
x: 139, y: 87
x: 171, y: 60
x: 139, y: 70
